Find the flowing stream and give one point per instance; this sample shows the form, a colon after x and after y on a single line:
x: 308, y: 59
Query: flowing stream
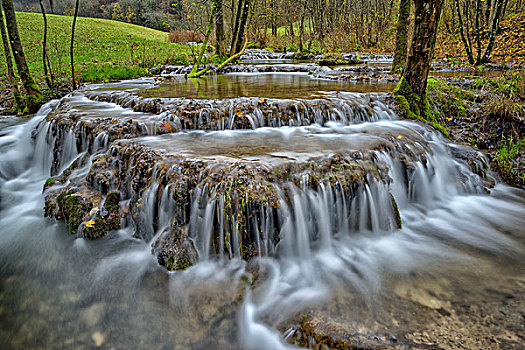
x: 458, y: 234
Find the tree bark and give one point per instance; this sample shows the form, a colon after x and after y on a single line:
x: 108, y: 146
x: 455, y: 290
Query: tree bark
x: 427, y: 14
x: 9, y: 62
x: 33, y: 96
x: 72, y: 46
x: 45, y: 61
x: 242, y: 28
x: 494, y: 30
x: 410, y: 92
x: 478, y: 32
x: 400, y: 55
x: 220, y: 37
x: 195, y: 69
x: 462, y: 33
x: 235, y: 27
x: 273, y: 16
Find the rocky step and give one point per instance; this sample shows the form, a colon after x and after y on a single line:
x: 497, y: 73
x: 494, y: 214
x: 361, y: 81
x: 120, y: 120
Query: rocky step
x: 199, y: 195
x: 89, y: 121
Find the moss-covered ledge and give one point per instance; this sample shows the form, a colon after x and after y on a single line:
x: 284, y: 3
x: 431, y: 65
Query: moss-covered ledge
x: 415, y: 107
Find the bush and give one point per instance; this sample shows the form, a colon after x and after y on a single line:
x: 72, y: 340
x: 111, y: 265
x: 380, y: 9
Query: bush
x: 185, y: 36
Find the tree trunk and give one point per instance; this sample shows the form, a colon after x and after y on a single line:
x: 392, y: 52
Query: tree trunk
x: 33, y: 96
x: 242, y: 28
x: 195, y: 69
x: 410, y: 92
x: 427, y: 14
x: 478, y: 32
x: 19, y: 103
x: 461, y: 31
x: 400, y: 55
x: 47, y: 69
x: 72, y: 46
x: 220, y: 37
x: 494, y: 30
x: 273, y: 16
x: 235, y: 28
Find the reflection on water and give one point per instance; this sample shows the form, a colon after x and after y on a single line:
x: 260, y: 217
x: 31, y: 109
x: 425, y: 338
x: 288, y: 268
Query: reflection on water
x: 258, y: 85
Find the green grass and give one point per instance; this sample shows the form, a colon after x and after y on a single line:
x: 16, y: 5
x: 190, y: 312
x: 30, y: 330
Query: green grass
x: 505, y: 160
x: 104, y: 49
x: 296, y: 29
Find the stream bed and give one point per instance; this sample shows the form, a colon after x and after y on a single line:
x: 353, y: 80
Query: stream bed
x: 290, y: 212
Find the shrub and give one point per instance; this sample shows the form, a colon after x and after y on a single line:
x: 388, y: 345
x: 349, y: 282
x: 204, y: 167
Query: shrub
x: 185, y: 36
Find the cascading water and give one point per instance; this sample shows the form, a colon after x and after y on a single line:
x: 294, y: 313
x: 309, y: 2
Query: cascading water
x: 344, y: 197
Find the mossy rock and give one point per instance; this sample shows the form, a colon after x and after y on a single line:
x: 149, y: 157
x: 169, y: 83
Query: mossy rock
x: 50, y: 208
x: 397, y: 214
x: 49, y: 182
x: 338, y: 62
x: 105, y: 220
x: 181, y: 259
x: 75, y: 210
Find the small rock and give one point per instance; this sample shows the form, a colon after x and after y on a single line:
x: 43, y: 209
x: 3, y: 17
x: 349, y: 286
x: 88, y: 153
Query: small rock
x: 98, y: 338
x: 443, y: 312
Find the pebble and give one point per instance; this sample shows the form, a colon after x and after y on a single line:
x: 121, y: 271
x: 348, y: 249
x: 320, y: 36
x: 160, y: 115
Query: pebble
x: 98, y: 338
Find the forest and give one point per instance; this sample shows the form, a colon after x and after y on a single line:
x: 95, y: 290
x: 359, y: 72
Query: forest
x: 262, y: 174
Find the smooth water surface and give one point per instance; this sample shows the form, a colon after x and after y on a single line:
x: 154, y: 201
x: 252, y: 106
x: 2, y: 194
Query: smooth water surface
x: 268, y: 85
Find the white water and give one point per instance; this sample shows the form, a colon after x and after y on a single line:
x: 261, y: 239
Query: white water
x: 59, y: 291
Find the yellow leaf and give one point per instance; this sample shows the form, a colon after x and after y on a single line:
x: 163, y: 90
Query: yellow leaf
x: 90, y: 223
x: 400, y: 137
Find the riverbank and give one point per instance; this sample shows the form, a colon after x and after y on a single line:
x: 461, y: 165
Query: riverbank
x: 287, y: 206
x: 487, y: 114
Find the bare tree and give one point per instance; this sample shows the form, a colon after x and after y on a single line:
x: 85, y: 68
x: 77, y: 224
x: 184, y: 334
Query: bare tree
x: 33, y: 97
x: 195, y: 70
x: 19, y: 103
x: 400, y: 55
x: 72, y: 47
x: 220, y: 46
x: 487, y: 16
x: 45, y: 57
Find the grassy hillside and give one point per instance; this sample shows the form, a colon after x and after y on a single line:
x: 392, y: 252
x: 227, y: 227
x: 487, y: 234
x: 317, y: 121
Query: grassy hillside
x: 104, y: 49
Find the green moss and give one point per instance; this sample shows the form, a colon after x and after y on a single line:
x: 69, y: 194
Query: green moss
x: 415, y: 107
x: 407, y: 100
x: 61, y: 197
x: 49, y: 208
x: 75, y: 210
x: 49, y: 182
x: 111, y: 204
x: 102, y: 225
x: 181, y: 259
x: 462, y: 112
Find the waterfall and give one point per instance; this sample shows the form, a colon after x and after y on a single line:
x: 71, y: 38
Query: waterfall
x: 268, y: 205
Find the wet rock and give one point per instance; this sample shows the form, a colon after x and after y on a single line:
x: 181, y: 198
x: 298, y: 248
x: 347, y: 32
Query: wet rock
x: 317, y: 333
x: 98, y: 339
x: 338, y: 62
x: 104, y: 220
